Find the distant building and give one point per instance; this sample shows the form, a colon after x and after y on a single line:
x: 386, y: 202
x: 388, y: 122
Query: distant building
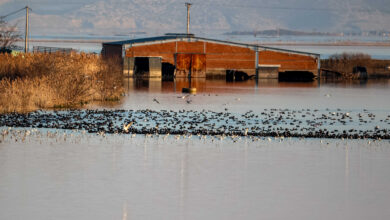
x: 158, y: 56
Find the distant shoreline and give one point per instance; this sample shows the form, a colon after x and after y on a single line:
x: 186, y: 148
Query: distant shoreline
x: 338, y: 43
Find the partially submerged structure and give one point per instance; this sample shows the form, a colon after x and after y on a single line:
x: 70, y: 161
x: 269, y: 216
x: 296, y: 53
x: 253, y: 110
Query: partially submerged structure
x: 181, y: 54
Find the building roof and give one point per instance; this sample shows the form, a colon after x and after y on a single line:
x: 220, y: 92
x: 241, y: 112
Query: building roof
x: 142, y: 40
x: 181, y: 37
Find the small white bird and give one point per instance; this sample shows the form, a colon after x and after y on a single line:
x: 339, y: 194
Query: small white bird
x: 183, y: 97
x: 126, y: 127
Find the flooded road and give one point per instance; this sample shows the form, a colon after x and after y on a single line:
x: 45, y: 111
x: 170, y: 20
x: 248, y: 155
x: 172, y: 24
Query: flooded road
x: 71, y: 174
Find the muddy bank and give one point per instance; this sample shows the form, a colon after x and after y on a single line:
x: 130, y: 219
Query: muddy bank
x: 307, y: 123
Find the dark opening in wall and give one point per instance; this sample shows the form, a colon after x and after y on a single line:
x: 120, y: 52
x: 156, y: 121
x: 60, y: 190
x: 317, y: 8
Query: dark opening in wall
x: 296, y: 76
x: 360, y: 72
x: 235, y: 75
x: 167, y: 71
x: 141, y: 66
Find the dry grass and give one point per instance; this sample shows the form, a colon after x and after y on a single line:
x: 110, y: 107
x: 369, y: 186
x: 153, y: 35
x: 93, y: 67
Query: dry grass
x: 37, y: 81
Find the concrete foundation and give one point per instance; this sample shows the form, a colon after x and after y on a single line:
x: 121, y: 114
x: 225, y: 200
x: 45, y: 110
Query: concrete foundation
x: 128, y: 66
x: 153, y: 70
x: 268, y: 71
x: 155, y: 67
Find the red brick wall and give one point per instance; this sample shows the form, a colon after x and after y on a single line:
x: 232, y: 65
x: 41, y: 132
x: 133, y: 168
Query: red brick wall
x: 288, y: 61
x: 221, y: 56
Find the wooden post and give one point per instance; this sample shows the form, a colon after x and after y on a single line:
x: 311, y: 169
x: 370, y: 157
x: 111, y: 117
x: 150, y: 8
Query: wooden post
x: 26, y: 34
x: 257, y: 62
x: 189, y: 72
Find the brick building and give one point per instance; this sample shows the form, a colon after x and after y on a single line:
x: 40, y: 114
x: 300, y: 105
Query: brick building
x: 177, y: 54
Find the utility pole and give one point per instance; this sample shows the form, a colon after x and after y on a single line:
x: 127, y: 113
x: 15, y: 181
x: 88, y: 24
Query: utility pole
x: 190, y: 89
x: 26, y: 34
x: 188, y: 5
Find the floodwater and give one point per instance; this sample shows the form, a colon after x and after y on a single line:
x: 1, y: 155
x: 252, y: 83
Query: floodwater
x: 81, y: 176
x: 62, y: 174
x: 248, y: 95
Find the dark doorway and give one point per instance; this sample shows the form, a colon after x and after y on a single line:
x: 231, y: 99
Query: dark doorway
x: 141, y: 66
x: 235, y: 75
x: 167, y: 71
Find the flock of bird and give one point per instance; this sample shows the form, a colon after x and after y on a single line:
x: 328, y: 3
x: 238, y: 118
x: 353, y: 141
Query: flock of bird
x: 281, y: 123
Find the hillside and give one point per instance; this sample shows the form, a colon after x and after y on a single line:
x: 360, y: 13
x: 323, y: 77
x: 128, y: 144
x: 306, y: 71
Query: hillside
x: 107, y: 17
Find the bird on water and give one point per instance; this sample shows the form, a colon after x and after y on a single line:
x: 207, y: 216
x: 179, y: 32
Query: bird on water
x: 126, y: 127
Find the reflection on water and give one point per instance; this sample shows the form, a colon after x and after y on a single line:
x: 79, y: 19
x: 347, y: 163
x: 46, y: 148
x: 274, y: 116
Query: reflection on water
x: 372, y: 83
x: 51, y: 175
x: 118, y: 177
x: 218, y: 95
x: 204, y: 85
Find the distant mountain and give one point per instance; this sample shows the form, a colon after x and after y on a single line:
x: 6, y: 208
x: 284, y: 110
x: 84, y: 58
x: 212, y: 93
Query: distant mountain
x: 121, y: 17
x: 281, y: 32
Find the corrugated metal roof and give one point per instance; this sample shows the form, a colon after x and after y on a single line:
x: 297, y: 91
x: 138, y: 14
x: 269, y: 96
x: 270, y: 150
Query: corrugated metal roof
x: 143, y: 40
x: 173, y: 36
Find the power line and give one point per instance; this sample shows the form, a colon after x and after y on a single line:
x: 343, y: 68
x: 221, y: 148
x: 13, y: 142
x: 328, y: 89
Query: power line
x: 26, y: 27
x: 213, y: 5
x: 12, y: 13
x: 262, y: 7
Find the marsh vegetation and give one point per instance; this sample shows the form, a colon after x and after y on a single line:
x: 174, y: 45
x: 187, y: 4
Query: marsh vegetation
x: 348, y: 65
x: 36, y: 81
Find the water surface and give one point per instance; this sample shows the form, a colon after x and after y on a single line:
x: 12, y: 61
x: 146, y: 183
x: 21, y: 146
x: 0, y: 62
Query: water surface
x: 57, y: 174
x: 81, y: 176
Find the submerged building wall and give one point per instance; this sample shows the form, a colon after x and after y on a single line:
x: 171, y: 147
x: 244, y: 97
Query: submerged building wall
x: 208, y: 58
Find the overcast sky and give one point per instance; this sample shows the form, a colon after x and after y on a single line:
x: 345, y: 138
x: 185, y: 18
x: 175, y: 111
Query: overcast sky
x: 107, y: 17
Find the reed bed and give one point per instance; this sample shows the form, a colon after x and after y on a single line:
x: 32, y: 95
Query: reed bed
x: 40, y: 81
x: 345, y: 62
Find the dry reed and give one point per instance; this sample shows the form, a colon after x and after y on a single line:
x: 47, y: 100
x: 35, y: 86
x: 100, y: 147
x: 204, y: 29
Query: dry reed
x: 37, y: 81
x: 345, y: 62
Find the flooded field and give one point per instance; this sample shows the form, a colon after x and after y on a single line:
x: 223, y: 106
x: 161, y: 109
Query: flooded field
x: 49, y: 173
x: 70, y: 175
x: 244, y: 96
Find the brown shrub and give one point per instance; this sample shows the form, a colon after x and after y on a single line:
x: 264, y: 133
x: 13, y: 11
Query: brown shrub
x: 35, y: 81
x: 109, y: 80
x: 344, y: 63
